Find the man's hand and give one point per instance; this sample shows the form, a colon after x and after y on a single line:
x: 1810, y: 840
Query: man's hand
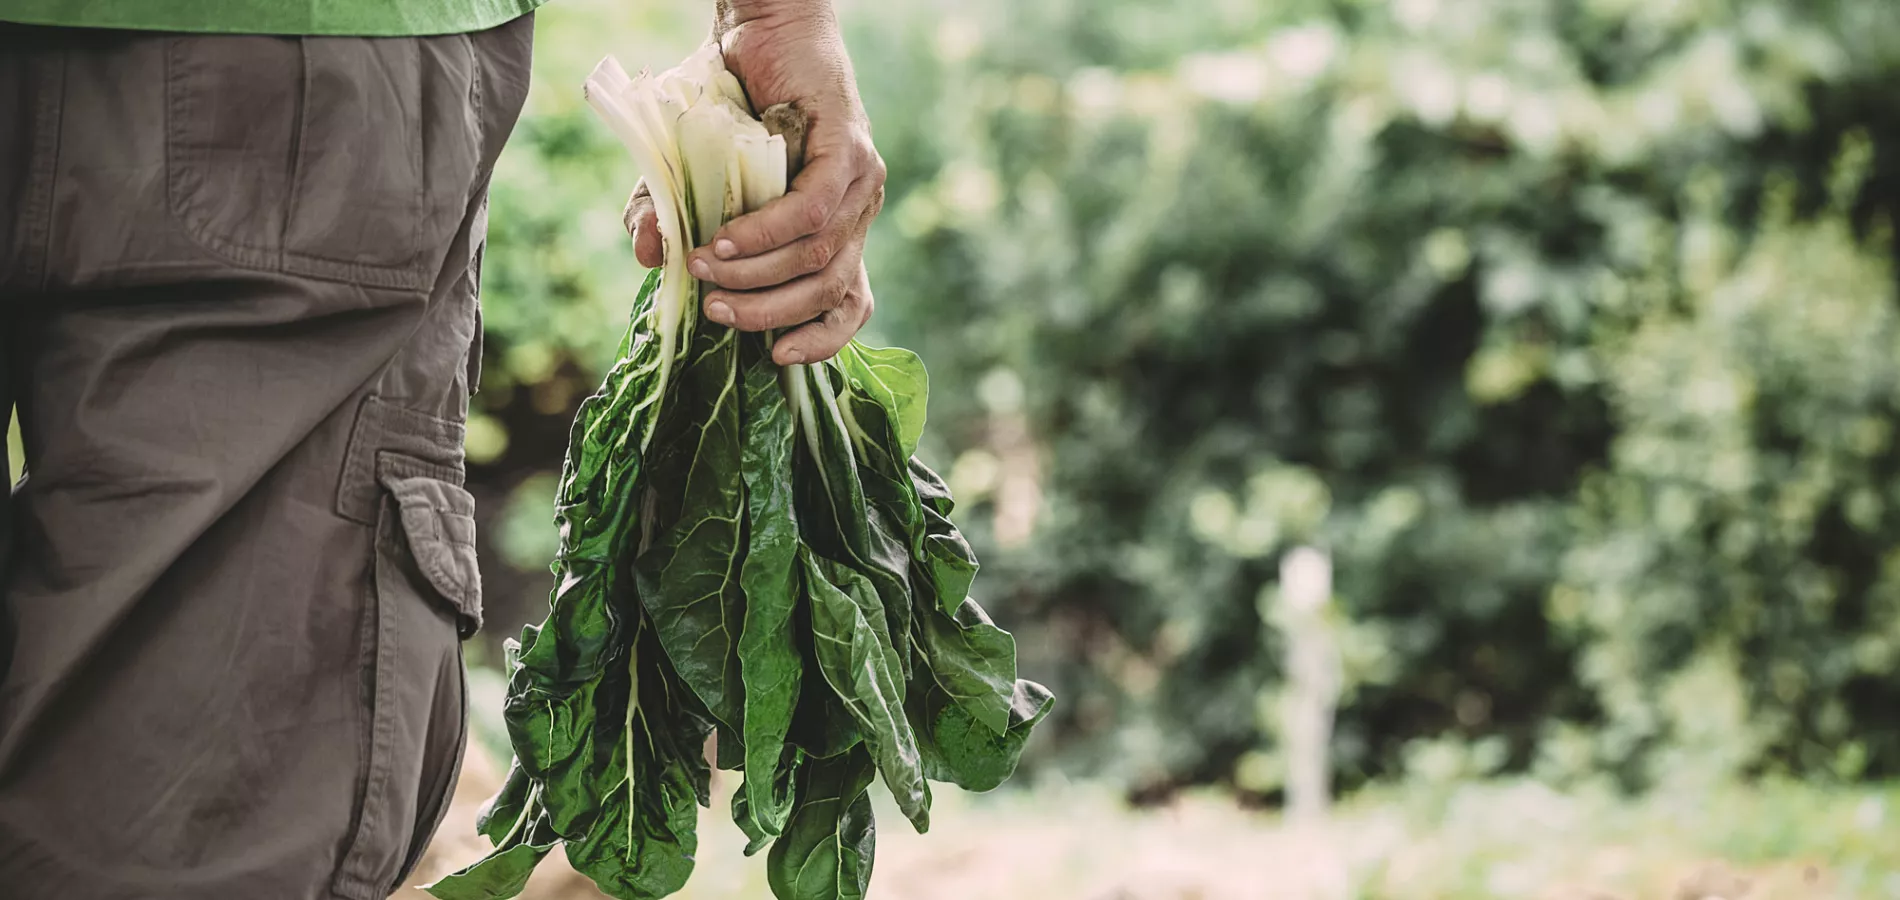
x: 799, y: 261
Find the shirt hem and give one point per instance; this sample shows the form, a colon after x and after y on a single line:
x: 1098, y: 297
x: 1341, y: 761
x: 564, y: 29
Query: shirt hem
x: 374, y: 28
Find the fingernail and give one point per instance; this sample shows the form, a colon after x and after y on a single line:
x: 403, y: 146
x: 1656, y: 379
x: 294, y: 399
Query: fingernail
x: 700, y: 270
x: 719, y: 312
x: 794, y: 357
x: 725, y: 249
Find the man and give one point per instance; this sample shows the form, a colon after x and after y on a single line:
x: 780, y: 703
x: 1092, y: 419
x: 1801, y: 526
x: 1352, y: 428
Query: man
x: 240, y: 246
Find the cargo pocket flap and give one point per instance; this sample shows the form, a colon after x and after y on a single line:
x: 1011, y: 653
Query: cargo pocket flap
x: 438, y: 518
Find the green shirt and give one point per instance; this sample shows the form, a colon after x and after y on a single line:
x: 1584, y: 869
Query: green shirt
x: 364, y: 18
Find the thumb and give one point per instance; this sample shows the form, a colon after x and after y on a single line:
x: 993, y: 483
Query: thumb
x: 644, y: 225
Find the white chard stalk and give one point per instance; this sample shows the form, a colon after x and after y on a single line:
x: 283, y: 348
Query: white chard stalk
x: 707, y: 159
x: 762, y: 163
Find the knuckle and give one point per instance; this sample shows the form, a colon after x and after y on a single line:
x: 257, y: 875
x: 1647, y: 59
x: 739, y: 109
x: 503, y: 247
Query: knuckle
x: 772, y: 234
x: 742, y: 232
x: 749, y: 317
x: 834, y: 293
x: 816, y: 214
x: 816, y: 255
x: 746, y: 279
x: 745, y: 231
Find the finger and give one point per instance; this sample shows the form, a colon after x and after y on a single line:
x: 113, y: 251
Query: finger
x: 816, y: 195
x: 638, y: 205
x: 804, y: 256
x: 822, y: 339
x: 793, y: 303
x: 641, y: 221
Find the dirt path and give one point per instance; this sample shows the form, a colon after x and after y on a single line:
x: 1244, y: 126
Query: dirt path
x: 1083, y: 846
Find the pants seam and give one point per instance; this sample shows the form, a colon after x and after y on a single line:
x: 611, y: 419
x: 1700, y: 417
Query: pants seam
x: 42, y: 179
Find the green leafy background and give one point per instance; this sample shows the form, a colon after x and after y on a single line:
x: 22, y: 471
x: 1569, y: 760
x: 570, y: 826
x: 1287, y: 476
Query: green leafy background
x: 1568, y: 328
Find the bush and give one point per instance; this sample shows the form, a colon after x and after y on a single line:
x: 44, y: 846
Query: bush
x: 1555, y: 322
x: 1360, y: 275
x: 1738, y: 546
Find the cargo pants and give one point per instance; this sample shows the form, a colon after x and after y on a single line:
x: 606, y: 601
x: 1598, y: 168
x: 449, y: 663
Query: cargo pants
x: 239, y: 322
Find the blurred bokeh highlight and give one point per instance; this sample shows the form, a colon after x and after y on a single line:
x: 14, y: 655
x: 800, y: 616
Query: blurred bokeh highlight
x: 1566, y: 333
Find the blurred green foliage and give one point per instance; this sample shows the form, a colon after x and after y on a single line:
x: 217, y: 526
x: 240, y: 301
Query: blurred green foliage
x: 1569, y: 328
x: 16, y: 454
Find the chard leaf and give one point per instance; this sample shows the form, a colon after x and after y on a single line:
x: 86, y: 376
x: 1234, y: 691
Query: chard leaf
x: 970, y: 658
x: 503, y: 873
x: 840, y: 521
x: 641, y: 845
x: 498, y: 876
x: 755, y: 839
x: 826, y: 851
x: 893, y: 507
x: 963, y: 751
x: 502, y: 812
x: 566, y: 743
x: 689, y: 579
x: 769, y: 660
x: 948, y: 564
x: 972, y: 661
x: 554, y: 725
x: 519, y: 828
x: 896, y: 380
x: 729, y: 750
x: 784, y: 777
x: 931, y: 489
x: 862, y: 670
x: 821, y: 725
x: 645, y: 853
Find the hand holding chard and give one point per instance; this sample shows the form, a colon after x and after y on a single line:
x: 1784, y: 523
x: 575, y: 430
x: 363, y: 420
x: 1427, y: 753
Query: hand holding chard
x: 746, y: 549
x: 796, y: 264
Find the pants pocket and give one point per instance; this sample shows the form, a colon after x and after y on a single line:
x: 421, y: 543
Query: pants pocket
x: 346, y: 159
x: 427, y: 597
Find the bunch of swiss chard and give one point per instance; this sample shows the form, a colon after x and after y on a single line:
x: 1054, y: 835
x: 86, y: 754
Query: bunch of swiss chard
x: 750, y: 553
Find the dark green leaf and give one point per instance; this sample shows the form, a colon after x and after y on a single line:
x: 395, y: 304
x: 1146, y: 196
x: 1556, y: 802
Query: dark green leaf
x: 689, y: 578
x: 566, y: 743
x: 499, y: 876
x: 520, y: 845
x: 862, y: 671
x: 967, y: 753
x: 931, y: 489
x: 826, y: 851
x: 502, y: 812
x: 641, y: 845
x: 768, y: 656
x: 947, y: 563
x: 972, y: 661
x: 839, y: 521
x: 821, y: 726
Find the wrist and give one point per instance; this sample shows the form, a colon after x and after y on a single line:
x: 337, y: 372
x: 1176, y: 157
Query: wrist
x: 731, y: 13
